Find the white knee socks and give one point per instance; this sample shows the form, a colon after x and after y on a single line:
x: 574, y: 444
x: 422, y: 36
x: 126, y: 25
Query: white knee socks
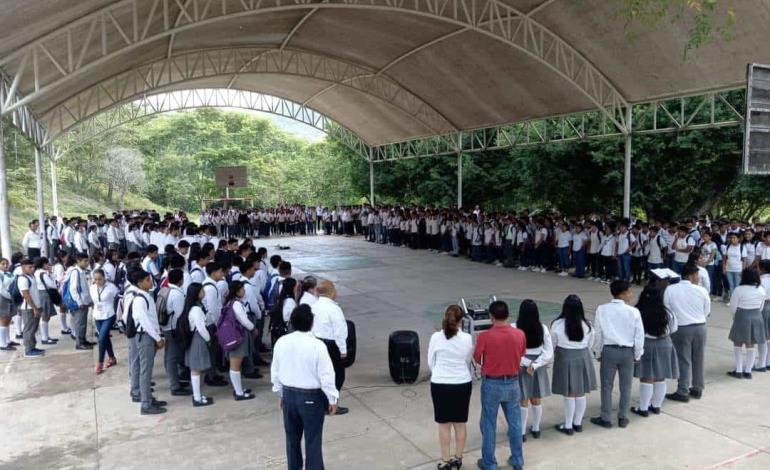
x: 537, y: 416
x: 645, y: 396
x: 762, y: 359
x: 524, y: 413
x: 195, y: 380
x: 569, y: 412
x: 19, y: 326
x: 658, y: 394
x: 44, y: 330
x: 738, y: 351
x: 235, y: 379
x: 580, y: 410
x: 751, y: 355
x: 5, y: 336
x: 63, y: 319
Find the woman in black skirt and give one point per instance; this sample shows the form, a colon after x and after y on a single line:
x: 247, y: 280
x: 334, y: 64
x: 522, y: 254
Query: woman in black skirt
x: 659, y: 361
x: 449, y: 359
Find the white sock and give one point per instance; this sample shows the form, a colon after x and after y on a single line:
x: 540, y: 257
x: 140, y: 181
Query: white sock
x: 195, y: 380
x: 19, y: 326
x: 44, y: 330
x: 762, y: 359
x: 658, y: 394
x: 751, y: 356
x: 63, y: 319
x: 235, y: 378
x: 645, y: 396
x: 537, y: 416
x: 4, y: 336
x: 738, y: 351
x: 569, y: 412
x: 524, y: 413
x: 580, y: 410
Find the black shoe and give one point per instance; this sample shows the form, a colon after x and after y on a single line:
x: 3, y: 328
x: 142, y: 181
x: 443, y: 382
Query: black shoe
x: 643, y: 413
x: 153, y: 410
x: 263, y: 348
x: 523, y: 438
x: 341, y: 410
x: 156, y: 402
x: 655, y: 411
x: 759, y: 369
x: 83, y: 347
x: 252, y: 375
x: 678, y: 397
x: 8, y: 348
x: 65, y: 332
x: 246, y: 396
x: 563, y: 430
x: 19, y: 336
x: 747, y: 375
x: 90, y: 343
x: 182, y: 392
x: 13, y: 343
x: 49, y: 342
x: 600, y: 422
x: 535, y: 434
x: 202, y: 402
x: 735, y: 375
x: 695, y: 393
x: 577, y: 427
x: 622, y: 422
x: 456, y: 463
x: 261, y: 362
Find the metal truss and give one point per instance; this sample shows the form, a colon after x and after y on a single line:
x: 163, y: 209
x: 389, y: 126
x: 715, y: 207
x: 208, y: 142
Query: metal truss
x: 668, y: 115
x: 72, y: 51
x: 151, y: 105
x: 23, y: 119
x: 190, y: 67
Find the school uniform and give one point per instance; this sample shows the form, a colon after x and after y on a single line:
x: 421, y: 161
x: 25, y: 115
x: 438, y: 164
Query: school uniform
x: 659, y: 359
x: 29, y: 321
x: 537, y: 385
x: 656, y: 249
x: 594, y: 256
x: 78, y: 288
x: 148, y: 333
x: 579, y: 253
x: 690, y: 305
x: 104, y: 316
x: 681, y: 253
x: 607, y: 252
x: 733, y: 265
x: 765, y: 279
x: 197, y: 356
x: 173, y: 356
x: 32, y: 244
x: 747, y: 304
x: 241, y: 314
x: 330, y: 327
x: 450, y: 381
x: 625, y: 243
x: 573, y: 368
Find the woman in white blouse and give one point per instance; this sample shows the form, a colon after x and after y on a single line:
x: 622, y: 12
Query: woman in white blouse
x: 449, y: 358
x: 533, y: 376
x: 748, y: 327
x: 235, y: 297
x: 309, y: 291
x: 574, y: 375
x: 103, y: 294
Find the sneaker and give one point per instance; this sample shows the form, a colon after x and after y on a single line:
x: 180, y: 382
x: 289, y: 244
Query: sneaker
x: 34, y: 353
x: 19, y: 336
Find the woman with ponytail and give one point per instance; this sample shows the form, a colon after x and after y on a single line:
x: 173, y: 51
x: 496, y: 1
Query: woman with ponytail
x: 449, y: 359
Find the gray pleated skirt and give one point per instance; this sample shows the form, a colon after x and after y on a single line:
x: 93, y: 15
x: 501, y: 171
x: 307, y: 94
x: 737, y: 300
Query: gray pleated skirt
x: 766, y: 318
x: 573, y: 372
x: 534, y: 386
x: 242, y: 350
x: 47, y: 308
x: 5, y: 307
x: 197, y: 356
x: 748, y: 327
x: 658, y: 361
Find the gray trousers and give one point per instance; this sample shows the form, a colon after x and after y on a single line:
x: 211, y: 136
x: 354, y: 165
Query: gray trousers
x: 620, y: 360
x: 80, y: 327
x: 31, y: 323
x: 173, y: 358
x: 690, y: 344
x: 141, y: 359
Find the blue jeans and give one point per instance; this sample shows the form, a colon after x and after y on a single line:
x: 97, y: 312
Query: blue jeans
x: 579, y: 259
x: 303, y: 413
x: 494, y: 394
x: 105, y: 343
x: 624, y: 262
x: 733, y: 280
x: 564, y: 258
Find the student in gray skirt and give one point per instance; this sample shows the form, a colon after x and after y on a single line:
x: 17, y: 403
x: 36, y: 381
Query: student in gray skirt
x: 659, y: 361
x: 763, y: 363
x: 197, y: 356
x: 533, y: 377
x: 748, y: 328
x: 235, y: 298
x: 574, y: 375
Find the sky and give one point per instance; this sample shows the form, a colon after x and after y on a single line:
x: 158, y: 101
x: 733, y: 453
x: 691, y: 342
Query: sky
x: 296, y: 128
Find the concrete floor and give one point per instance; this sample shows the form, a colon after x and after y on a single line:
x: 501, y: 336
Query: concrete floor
x: 56, y: 414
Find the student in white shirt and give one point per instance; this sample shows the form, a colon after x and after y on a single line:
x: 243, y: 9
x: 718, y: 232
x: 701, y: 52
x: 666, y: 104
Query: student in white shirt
x: 764, y: 349
x: 173, y: 359
x: 450, y: 352
x: 734, y: 260
x: 309, y: 291
x: 748, y: 328
x: 197, y: 356
x: 303, y: 376
x: 6, y: 306
x: 33, y: 241
x: 659, y: 361
x: 563, y: 245
x: 573, y: 369
x: 330, y: 327
x: 29, y: 308
x: 280, y: 315
x: 533, y: 376
x: 47, y: 307
x: 607, y: 253
x: 78, y: 290
x: 579, y: 243
x: 619, y: 343
x: 682, y: 245
x: 103, y: 294
x: 235, y: 296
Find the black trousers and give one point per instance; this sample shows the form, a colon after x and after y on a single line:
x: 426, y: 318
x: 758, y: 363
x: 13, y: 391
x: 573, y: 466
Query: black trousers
x: 336, y: 357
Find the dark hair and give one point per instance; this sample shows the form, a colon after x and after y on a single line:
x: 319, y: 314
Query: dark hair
x: 81, y: 256
x: 453, y: 317
x: 176, y: 261
x: 309, y: 282
x: 574, y: 317
x: 136, y: 276
x: 99, y: 271
x: 284, y: 269
x: 750, y: 277
x: 175, y: 276
x: 654, y: 315
x: 183, y: 244
x: 191, y: 297
x: 302, y: 318
x: 619, y: 286
x: 232, y: 290
x: 212, y: 267
x: 499, y: 310
x: 688, y: 270
x: 26, y: 262
x: 275, y: 260
x: 40, y: 261
x: 246, y: 264
x: 152, y: 249
x: 529, y: 322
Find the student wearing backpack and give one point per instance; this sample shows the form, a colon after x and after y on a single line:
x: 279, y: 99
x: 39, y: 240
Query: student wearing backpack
x: 170, y: 305
x: 78, y: 292
x: 7, y: 307
x: 280, y: 314
x: 235, y: 306
x: 45, y: 285
x: 212, y: 301
x: 103, y: 294
x: 29, y: 308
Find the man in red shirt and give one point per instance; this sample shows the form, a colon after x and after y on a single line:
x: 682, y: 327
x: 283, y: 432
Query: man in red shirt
x: 499, y: 351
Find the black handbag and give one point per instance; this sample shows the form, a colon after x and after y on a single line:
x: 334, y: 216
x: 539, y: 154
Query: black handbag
x: 54, y: 295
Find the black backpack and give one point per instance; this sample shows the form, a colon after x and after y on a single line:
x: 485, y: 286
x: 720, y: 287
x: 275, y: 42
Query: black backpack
x: 278, y: 326
x: 130, y: 323
x: 183, y: 332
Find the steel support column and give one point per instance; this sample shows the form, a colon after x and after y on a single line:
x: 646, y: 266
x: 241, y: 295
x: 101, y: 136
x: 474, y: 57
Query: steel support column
x: 54, y: 191
x: 5, y: 217
x: 627, y: 164
x: 40, y: 203
x: 459, y: 180
x: 371, y: 179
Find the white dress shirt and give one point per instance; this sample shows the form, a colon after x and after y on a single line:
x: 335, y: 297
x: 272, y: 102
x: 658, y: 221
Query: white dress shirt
x: 689, y: 303
x: 560, y: 339
x: 212, y: 301
x: 302, y: 361
x: 329, y: 323
x: 28, y: 283
x: 104, y: 300
x: 144, y: 313
x: 288, y: 306
x: 765, y: 280
x: 747, y: 298
x: 32, y: 240
x: 618, y: 324
x: 308, y: 299
x: 79, y: 287
x: 449, y: 360
x: 544, y: 352
x: 197, y: 319
x: 174, y: 306
x: 242, y: 315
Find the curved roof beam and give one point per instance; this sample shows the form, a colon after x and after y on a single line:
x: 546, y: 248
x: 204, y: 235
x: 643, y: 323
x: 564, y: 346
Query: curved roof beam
x: 150, y: 105
x: 123, y: 21
x: 189, y: 67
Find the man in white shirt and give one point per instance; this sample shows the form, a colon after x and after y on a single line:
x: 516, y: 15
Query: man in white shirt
x: 29, y: 308
x: 173, y: 358
x: 619, y: 342
x: 303, y: 376
x: 79, y: 291
x: 690, y: 304
x: 143, y: 345
x: 213, y: 300
x: 33, y: 241
x: 329, y: 326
